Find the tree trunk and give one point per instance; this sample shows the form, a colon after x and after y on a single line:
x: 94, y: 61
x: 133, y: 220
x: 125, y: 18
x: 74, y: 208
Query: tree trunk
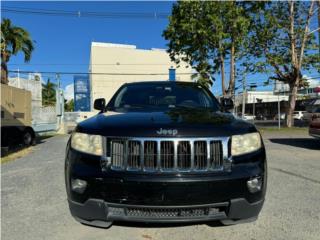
x: 232, y: 67
x: 291, y: 105
x: 4, y: 68
x: 296, y: 61
x: 222, y: 75
x: 4, y: 73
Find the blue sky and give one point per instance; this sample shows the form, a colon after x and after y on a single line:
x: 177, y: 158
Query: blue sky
x: 63, y: 43
x: 66, y: 40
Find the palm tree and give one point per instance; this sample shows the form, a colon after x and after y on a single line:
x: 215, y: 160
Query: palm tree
x: 203, y: 75
x: 48, y: 93
x: 13, y: 40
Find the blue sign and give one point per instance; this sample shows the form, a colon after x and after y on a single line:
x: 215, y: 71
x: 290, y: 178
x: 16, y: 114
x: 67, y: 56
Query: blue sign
x: 81, y: 93
x: 172, y: 74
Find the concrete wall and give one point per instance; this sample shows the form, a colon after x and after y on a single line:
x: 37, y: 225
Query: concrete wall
x: 122, y: 59
x: 15, y: 106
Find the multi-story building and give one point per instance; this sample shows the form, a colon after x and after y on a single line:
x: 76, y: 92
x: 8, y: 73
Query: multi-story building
x: 112, y: 65
x: 265, y: 103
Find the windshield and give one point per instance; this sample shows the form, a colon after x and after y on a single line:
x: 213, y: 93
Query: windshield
x: 146, y: 97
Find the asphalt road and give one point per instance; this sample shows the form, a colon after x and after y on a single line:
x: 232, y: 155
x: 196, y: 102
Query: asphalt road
x: 34, y: 202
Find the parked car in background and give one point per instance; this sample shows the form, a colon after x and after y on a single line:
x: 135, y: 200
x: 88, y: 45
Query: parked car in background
x: 247, y: 117
x: 260, y: 116
x: 308, y: 114
x: 282, y: 116
x: 314, y: 127
x: 16, y: 117
x: 298, y: 115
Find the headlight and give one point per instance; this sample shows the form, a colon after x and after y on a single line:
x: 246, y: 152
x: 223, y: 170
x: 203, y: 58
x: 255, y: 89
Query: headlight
x: 245, y: 143
x: 91, y: 144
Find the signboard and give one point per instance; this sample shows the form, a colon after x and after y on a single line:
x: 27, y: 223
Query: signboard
x: 81, y: 93
x: 172, y: 74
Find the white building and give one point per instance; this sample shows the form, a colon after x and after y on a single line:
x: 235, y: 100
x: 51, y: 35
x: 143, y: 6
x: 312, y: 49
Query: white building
x: 33, y: 84
x: 40, y: 114
x: 310, y: 91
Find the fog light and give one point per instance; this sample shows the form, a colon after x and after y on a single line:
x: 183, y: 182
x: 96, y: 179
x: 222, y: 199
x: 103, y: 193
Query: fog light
x: 254, y: 184
x: 78, y: 185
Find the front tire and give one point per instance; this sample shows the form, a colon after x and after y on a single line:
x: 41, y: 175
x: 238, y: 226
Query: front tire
x: 28, y: 138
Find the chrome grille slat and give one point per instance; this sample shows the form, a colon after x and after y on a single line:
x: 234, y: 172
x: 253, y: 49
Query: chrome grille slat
x: 133, y: 154
x: 216, y: 154
x: 200, y: 155
x: 184, y: 155
x: 150, y: 154
x: 169, y: 154
x: 117, y: 153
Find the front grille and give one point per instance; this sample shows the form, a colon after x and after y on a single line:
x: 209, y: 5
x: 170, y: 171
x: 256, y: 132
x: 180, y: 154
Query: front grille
x: 170, y: 213
x: 168, y: 154
x: 178, y: 212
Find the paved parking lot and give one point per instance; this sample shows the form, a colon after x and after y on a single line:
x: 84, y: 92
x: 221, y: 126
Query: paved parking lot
x: 34, y: 202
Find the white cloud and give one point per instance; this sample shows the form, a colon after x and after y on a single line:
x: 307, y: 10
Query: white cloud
x: 69, y: 92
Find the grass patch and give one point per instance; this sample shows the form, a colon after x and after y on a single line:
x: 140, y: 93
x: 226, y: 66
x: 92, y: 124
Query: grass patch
x: 283, y: 129
x: 17, y: 154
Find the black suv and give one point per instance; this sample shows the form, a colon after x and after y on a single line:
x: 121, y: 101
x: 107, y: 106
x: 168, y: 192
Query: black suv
x: 165, y: 152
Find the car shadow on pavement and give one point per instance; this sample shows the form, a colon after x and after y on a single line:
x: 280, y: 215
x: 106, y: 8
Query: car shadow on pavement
x: 43, y: 138
x: 164, y: 225
x: 307, y: 143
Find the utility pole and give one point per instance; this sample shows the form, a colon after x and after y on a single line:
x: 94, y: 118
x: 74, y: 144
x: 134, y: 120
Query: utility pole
x: 59, y: 110
x: 58, y: 80
x: 244, y: 94
x: 18, y: 73
x: 279, y: 115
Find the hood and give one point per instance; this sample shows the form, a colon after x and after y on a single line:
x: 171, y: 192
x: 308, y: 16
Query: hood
x: 173, y: 123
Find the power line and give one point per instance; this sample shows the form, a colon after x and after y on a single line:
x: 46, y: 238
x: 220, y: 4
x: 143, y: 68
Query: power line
x: 86, y: 64
x: 105, y: 73
x: 63, y: 13
x: 91, y: 73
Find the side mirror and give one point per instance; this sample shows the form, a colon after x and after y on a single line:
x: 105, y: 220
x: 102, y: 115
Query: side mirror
x: 100, y: 104
x: 226, y: 103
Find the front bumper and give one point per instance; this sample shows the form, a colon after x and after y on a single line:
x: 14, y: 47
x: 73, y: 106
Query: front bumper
x: 94, y: 210
x: 114, y: 196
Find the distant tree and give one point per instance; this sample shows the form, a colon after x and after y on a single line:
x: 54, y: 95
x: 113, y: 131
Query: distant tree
x: 189, y: 37
x: 205, y: 33
x: 285, y: 46
x: 69, y: 106
x: 48, y: 93
x: 13, y: 40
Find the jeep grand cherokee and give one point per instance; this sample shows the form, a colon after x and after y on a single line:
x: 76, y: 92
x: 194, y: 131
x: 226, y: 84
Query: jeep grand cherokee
x: 165, y: 152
